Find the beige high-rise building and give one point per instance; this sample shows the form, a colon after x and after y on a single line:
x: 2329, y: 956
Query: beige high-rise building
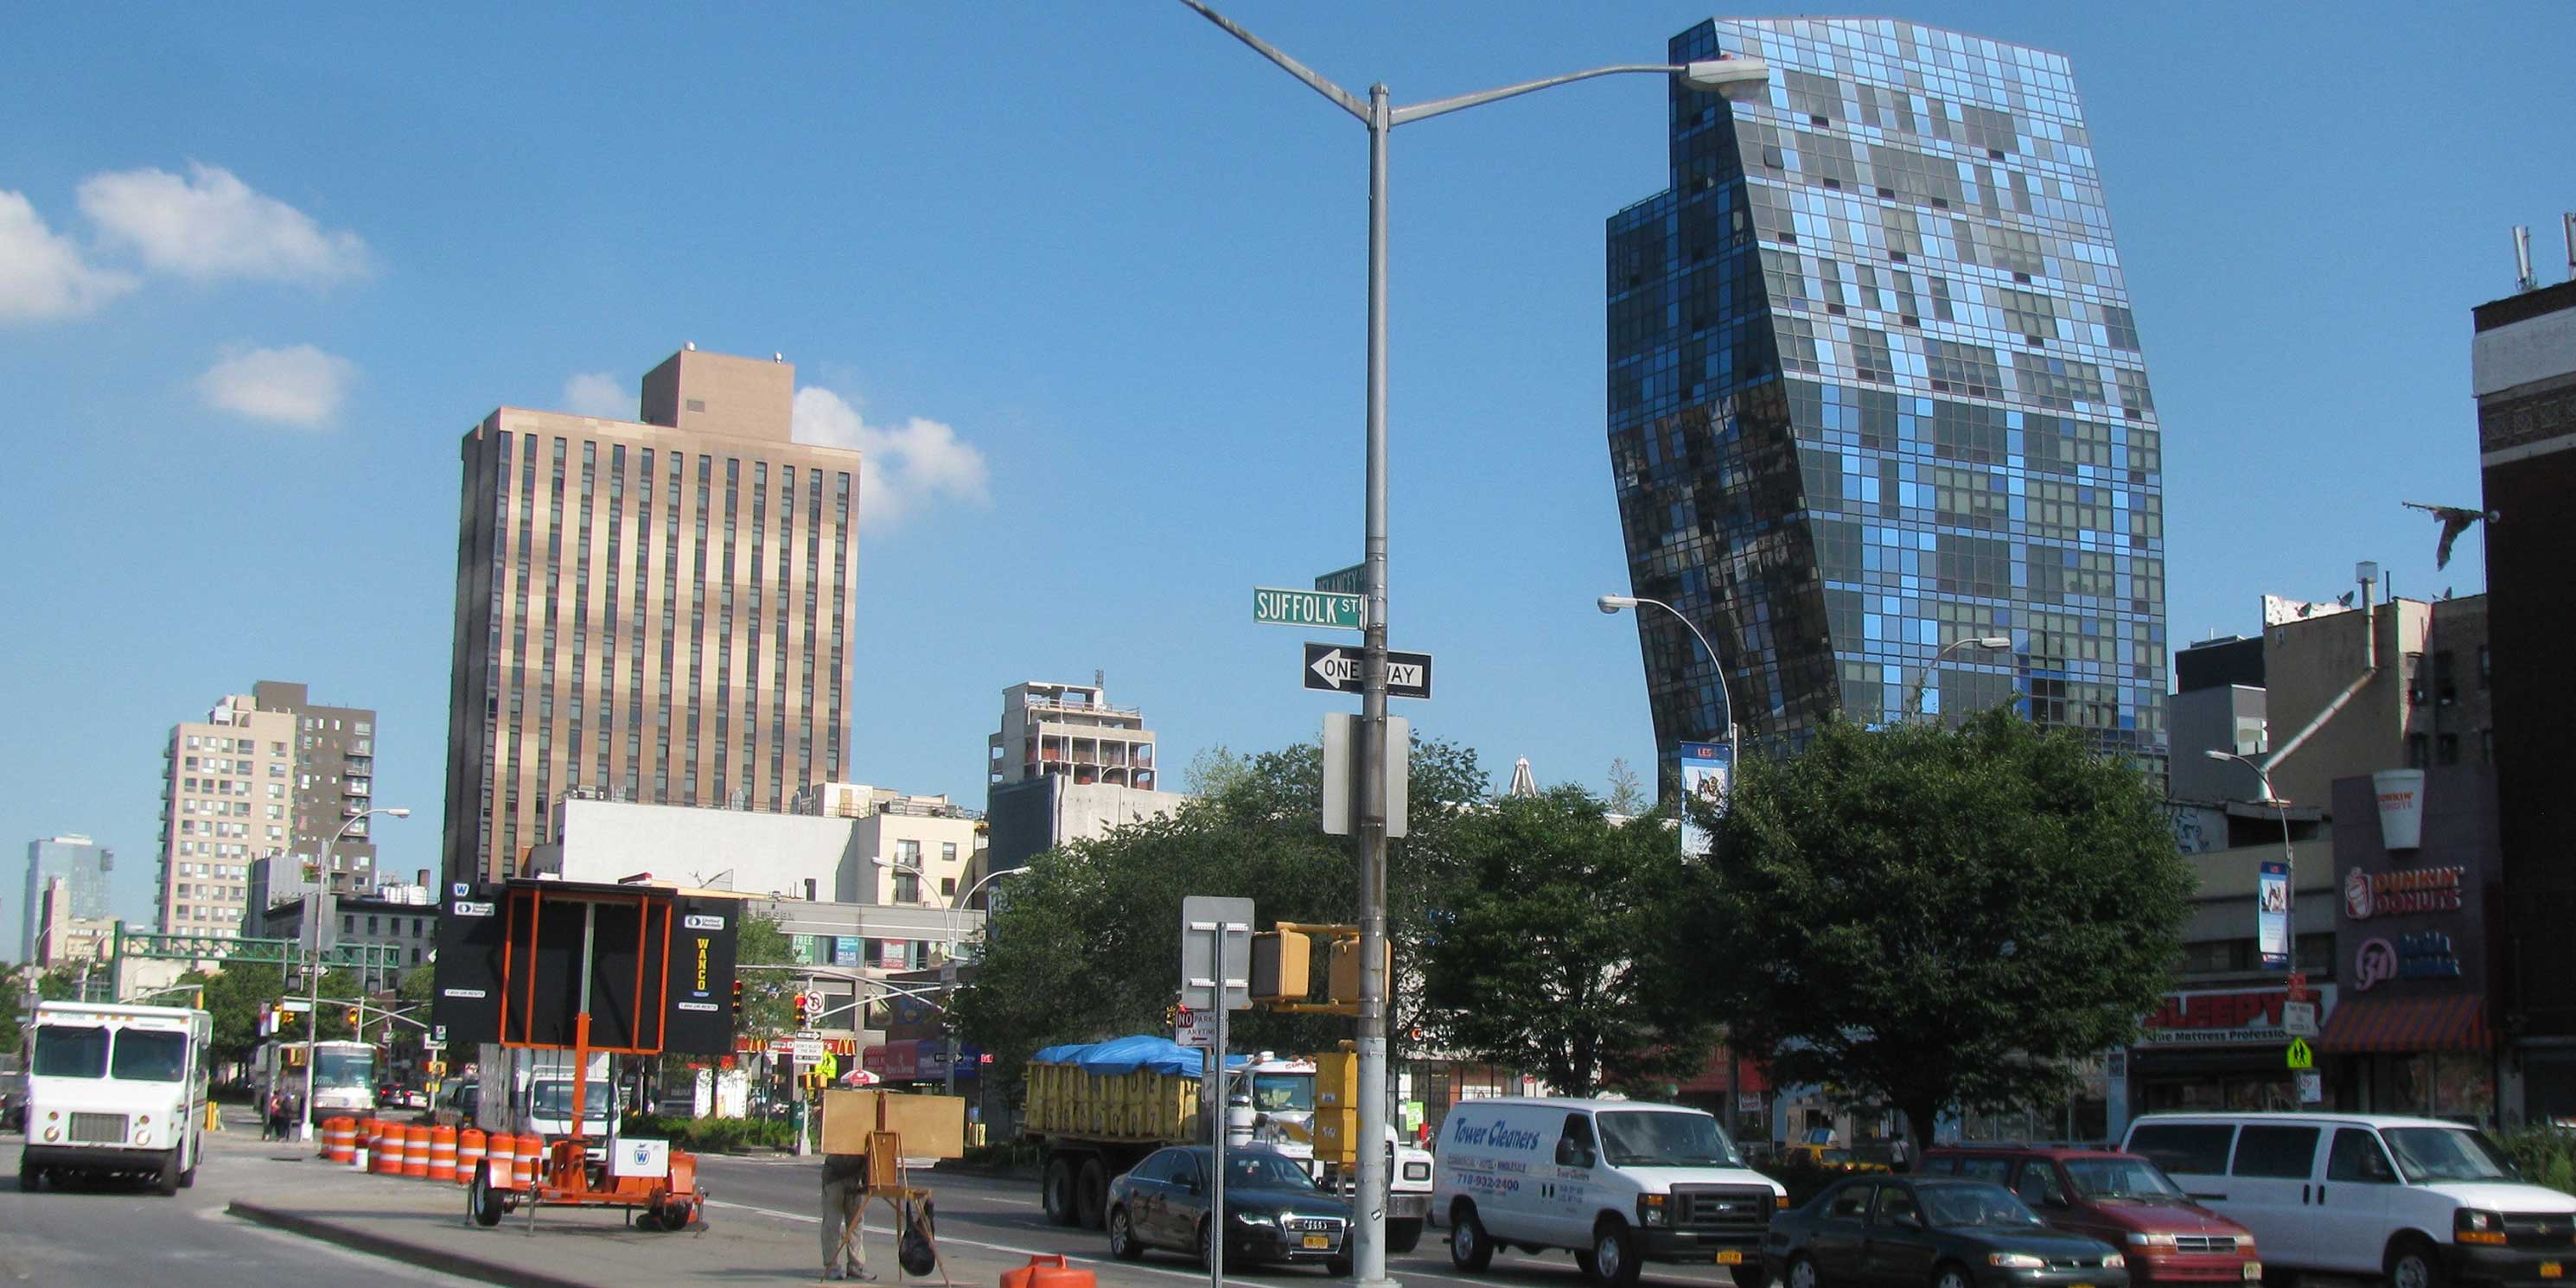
x: 655, y: 610
x: 228, y: 797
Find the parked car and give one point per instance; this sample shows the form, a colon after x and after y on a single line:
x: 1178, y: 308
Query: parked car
x: 1620, y: 1182
x: 1273, y: 1212
x: 2419, y: 1200
x: 2121, y: 1199
x: 1938, y: 1231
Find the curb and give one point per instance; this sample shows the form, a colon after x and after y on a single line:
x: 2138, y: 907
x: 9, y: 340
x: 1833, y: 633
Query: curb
x: 445, y: 1262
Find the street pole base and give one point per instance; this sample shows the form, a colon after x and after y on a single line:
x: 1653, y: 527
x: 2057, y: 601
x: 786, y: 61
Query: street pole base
x: 1380, y: 1282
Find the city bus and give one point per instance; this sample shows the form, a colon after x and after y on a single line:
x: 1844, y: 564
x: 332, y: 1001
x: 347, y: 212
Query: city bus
x: 344, y: 1075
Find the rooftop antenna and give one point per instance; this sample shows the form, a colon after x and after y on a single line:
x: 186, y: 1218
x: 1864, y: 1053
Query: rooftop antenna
x: 2523, y: 280
x: 691, y: 346
x: 2570, y: 219
x: 1099, y: 678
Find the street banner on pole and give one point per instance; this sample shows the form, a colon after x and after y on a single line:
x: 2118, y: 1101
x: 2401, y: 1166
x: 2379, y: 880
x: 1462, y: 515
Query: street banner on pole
x: 1708, y: 770
x: 2272, y: 915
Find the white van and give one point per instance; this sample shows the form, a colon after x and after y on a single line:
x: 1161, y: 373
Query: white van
x: 2422, y: 1201
x: 1620, y: 1182
x: 115, y: 1090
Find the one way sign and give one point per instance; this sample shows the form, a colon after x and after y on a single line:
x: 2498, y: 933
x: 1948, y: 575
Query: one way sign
x: 1335, y: 668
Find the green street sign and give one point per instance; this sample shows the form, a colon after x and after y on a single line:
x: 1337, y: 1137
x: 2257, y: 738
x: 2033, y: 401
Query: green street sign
x: 1337, y: 610
x: 1352, y: 580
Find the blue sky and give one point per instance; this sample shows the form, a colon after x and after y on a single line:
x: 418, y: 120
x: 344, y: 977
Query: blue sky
x: 260, y: 269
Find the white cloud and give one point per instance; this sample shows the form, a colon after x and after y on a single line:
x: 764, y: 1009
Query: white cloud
x: 297, y: 386
x: 212, y: 225
x: 42, y: 274
x: 597, y: 393
x: 901, y: 466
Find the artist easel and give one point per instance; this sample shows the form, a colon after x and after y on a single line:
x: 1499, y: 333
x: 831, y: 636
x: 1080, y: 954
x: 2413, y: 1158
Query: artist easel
x: 887, y: 1180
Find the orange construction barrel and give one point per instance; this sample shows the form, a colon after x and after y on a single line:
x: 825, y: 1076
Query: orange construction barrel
x: 469, y: 1155
x: 442, y: 1154
x: 1048, y: 1270
x: 415, y: 1149
x: 499, y: 1149
x: 529, y: 1168
x: 339, y: 1139
x: 389, y: 1150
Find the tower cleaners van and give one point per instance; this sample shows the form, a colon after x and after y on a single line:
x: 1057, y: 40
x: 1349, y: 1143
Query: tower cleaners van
x: 115, y: 1090
x: 1618, y: 1182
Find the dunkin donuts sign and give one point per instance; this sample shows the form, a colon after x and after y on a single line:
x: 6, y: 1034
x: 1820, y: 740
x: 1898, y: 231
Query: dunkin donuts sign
x: 2411, y: 890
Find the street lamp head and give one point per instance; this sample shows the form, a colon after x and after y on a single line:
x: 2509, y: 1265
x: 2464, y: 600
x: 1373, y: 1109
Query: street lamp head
x: 1613, y: 603
x: 2215, y: 754
x: 884, y: 862
x: 1737, y: 80
x: 1994, y: 643
x: 399, y: 811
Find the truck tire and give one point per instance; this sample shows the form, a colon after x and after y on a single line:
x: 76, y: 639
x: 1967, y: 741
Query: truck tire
x: 482, y: 1202
x: 30, y: 1176
x: 1469, y: 1250
x: 1055, y: 1192
x: 1403, y: 1236
x: 166, y: 1181
x: 1091, y: 1194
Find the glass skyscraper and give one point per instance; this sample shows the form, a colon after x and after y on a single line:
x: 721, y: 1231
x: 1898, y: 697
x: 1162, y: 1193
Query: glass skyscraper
x: 1875, y: 392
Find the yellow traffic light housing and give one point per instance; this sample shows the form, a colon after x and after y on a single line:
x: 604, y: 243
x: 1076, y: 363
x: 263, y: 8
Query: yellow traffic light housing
x: 1344, y: 984
x: 1282, y: 963
x: 353, y: 1015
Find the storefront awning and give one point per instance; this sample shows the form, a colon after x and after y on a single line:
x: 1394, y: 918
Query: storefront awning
x: 2400, y: 1024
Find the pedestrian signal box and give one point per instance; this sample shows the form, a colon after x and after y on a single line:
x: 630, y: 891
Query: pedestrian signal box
x: 1282, y: 962
x: 1344, y: 985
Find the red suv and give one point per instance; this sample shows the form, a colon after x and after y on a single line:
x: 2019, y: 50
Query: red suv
x: 2121, y: 1199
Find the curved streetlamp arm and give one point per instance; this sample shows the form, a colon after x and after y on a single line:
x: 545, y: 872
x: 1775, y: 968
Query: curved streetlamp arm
x: 1341, y: 98
x: 1439, y: 106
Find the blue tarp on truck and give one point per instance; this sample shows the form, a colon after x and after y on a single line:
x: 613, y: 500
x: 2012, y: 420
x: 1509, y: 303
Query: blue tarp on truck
x: 1130, y: 1054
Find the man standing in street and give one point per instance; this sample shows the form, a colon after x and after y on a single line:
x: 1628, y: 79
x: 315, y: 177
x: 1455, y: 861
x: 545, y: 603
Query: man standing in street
x: 845, y: 1188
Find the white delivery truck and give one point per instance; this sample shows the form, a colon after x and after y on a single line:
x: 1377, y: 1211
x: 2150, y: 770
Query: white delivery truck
x: 528, y: 1091
x: 115, y: 1090
x: 1621, y: 1182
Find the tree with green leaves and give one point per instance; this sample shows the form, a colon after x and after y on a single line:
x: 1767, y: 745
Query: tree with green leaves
x: 1935, y: 918
x: 1541, y: 956
x: 1086, y: 942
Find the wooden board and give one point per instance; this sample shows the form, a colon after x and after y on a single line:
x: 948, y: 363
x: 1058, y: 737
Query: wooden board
x: 931, y: 1126
x: 849, y: 1118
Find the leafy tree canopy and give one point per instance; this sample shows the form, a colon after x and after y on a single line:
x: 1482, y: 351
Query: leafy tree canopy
x: 1936, y: 918
x: 1084, y: 944
x: 1540, y: 955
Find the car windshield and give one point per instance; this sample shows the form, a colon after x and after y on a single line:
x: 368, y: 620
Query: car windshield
x: 554, y: 1100
x: 1836, y: 1155
x: 1266, y: 1171
x: 2120, y: 1178
x: 70, y: 1051
x: 1283, y: 1092
x: 1664, y: 1138
x: 2446, y: 1154
x: 1974, y: 1204
x: 147, y: 1055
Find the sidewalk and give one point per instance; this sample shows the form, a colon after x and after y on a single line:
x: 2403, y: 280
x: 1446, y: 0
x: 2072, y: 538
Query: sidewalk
x: 423, y: 1223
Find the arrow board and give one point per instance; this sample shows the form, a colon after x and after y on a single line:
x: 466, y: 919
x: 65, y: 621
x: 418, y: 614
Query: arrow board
x: 1335, y: 668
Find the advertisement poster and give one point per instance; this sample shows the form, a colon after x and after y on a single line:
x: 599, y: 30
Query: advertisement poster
x: 2272, y: 915
x: 1705, y: 767
x: 845, y: 950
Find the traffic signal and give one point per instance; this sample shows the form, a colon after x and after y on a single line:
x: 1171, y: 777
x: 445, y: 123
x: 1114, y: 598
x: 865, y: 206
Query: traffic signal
x: 1282, y: 962
x: 353, y: 1015
x: 737, y: 1001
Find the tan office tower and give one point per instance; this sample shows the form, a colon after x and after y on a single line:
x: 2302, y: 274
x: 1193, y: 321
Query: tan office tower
x: 226, y: 798
x: 654, y: 610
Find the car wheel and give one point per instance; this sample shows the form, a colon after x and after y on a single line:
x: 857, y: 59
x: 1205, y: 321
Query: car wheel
x: 1403, y: 1236
x: 1614, y: 1255
x: 1207, y: 1245
x: 2412, y: 1263
x: 1469, y: 1250
x: 1091, y: 1194
x: 1055, y: 1191
x: 1802, y: 1272
x: 1952, y: 1275
x: 1338, y: 1267
x: 1122, y: 1237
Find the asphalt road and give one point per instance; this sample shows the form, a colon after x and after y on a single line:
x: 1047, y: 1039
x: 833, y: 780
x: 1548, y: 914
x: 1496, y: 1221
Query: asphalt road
x: 1003, y: 1217
x: 113, y: 1233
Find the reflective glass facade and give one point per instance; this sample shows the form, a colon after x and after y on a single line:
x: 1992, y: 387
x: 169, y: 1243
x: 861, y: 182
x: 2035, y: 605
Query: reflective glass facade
x: 1875, y: 389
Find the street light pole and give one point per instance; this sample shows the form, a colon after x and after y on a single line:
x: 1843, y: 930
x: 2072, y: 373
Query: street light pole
x: 1380, y: 117
x: 1611, y: 604
x: 2289, y: 857
x: 313, y: 973
x: 1990, y: 643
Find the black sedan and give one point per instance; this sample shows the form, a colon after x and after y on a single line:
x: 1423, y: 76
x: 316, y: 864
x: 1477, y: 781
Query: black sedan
x: 1273, y: 1212
x: 1901, y: 1232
